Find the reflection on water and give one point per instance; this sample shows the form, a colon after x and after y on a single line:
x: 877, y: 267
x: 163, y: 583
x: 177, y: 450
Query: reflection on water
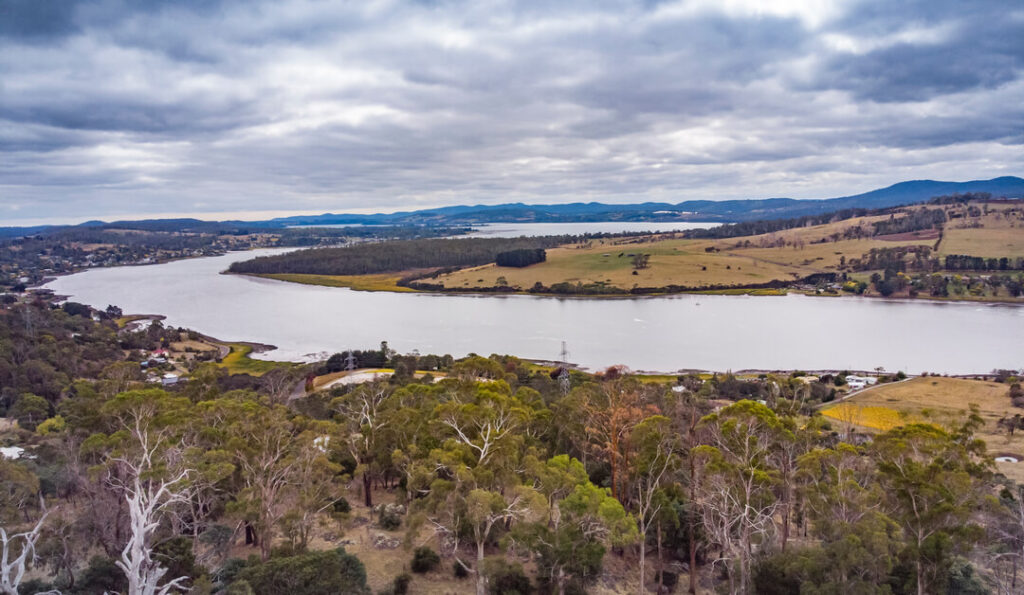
x: 654, y: 333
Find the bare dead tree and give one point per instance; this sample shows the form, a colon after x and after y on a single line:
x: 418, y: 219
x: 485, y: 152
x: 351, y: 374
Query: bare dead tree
x: 14, y: 565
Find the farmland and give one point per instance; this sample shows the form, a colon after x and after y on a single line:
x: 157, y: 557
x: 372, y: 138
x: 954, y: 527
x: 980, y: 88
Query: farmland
x: 808, y: 255
x: 939, y: 400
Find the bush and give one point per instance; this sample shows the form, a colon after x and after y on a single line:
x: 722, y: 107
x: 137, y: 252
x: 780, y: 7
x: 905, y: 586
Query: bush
x: 458, y: 570
x: 333, y: 572
x: 506, y: 578
x: 424, y: 560
x: 342, y: 506
x: 34, y: 585
x: 669, y: 580
x: 401, y: 584
x: 389, y: 520
x: 101, y: 576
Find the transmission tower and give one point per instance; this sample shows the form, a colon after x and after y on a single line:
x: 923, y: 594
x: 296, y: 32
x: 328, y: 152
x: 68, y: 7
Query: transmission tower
x: 350, y: 361
x: 563, y: 375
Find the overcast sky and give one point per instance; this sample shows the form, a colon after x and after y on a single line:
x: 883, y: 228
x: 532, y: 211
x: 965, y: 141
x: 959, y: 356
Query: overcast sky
x: 125, y: 108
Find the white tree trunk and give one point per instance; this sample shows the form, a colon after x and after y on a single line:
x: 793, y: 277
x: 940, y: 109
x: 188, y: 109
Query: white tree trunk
x: 12, y: 571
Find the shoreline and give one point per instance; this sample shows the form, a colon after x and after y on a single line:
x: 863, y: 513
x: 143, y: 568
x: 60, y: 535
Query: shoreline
x: 739, y: 291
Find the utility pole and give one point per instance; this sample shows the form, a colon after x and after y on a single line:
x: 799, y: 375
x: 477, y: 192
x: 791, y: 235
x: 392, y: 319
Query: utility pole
x: 350, y: 361
x: 563, y: 376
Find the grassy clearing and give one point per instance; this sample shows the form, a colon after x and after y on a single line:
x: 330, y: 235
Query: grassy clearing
x: 691, y: 263
x: 1001, y: 233
x: 123, y: 321
x: 355, y: 282
x: 237, y: 361
x: 943, y: 401
x: 325, y: 379
x: 733, y: 262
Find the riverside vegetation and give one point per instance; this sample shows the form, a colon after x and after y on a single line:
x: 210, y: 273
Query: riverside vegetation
x: 479, y: 474
x: 954, y: 247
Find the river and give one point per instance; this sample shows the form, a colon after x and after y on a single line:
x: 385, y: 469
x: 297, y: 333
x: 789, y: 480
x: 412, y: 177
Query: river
x: 650, y: 333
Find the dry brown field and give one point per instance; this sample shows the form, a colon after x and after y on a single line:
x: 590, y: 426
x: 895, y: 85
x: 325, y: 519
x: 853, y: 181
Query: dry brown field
x: 945, y: 402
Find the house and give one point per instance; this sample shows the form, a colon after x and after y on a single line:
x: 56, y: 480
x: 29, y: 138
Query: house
x: 859, y: 382
x: 169, y: 379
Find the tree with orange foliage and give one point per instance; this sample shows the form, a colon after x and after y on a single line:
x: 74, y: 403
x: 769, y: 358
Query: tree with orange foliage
x: 611, y: 411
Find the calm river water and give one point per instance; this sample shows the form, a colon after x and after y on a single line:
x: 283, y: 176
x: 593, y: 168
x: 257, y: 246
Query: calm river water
x: 652, y: 333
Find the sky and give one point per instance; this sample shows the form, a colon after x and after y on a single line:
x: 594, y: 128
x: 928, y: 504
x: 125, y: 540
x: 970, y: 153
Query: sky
x: 128, y: 108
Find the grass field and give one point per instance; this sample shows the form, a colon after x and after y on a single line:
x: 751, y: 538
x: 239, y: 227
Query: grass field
x: 124, y: 321
x: 1000, y: 236
x: 689, y: 263
x: 938, y: 400
x: 237, y: 361
x: 356, y: 282
x: 997, y: 230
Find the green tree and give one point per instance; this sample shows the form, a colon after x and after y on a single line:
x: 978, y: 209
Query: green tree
x: 931, y: 481
x: 736, y: 494
x: 580, y: 522
x: 29, y: 411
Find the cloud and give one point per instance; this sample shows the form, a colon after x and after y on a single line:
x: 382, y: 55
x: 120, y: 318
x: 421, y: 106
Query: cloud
x: 114, y: 107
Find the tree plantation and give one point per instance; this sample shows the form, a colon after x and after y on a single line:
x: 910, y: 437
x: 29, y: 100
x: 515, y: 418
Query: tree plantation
x: 479, y: 475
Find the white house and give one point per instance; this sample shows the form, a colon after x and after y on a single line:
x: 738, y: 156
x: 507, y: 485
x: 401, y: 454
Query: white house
x: 169, y: 379
x: 859, y: 382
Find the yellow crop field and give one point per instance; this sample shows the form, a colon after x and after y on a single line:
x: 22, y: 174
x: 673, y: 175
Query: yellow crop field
x: 942, y: 401
x: 874, y: 417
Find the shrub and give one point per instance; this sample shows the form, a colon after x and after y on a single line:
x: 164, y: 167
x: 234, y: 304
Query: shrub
x: 506, y: 578
x: 389, y: 520
x: 669, y: 580
x: 101, y: 576
x: 333, y: 572
x: 342, y: 506
x: 458, y: 570
x: 401, y: 584
x: 424, y: 560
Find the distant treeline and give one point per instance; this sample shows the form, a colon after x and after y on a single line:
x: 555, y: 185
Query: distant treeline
x: 913, y: 220
x: 753, y: 228
x: 919, y: 258
x: 961, y: 262
x: 959, y: 198
x: 389, y: 257
x: 600, y: 288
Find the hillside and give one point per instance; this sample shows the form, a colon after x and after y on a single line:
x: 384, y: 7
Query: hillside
x: 972, y: 250
x: 903, y: 193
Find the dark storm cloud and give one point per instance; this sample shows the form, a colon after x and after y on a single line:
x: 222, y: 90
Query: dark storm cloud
x: 975, y: 46
x: 118, y: 107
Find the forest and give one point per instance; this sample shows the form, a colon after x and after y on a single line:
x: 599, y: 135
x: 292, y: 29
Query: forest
x: 479, y: 474
x: 69, y: 249
x: 364, y: 259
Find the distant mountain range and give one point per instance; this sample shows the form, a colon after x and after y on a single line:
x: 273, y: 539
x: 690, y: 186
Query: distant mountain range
x: 694, y: 210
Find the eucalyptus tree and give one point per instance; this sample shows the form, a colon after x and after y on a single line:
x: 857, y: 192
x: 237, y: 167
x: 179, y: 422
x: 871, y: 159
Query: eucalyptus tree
x: 736, y: 493
x: 579, y: 523
x: 934, y: 486
x: 473, y: 483
x: 146, y: 466
x: 656, y: 463
x: 366, y: 416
